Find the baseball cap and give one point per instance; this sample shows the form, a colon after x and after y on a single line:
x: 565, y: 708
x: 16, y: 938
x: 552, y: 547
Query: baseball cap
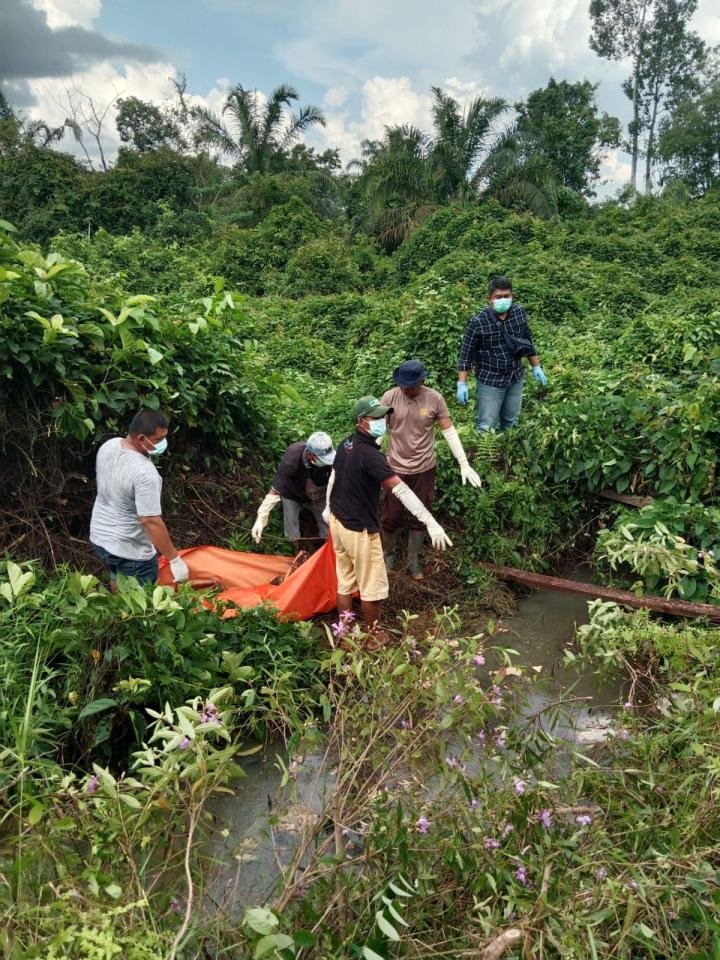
x: 369, y: 407
x: 320, y: 445
x: 408, y: 373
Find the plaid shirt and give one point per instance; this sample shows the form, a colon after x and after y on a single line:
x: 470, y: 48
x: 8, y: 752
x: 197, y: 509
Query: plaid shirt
x: 484, y: 349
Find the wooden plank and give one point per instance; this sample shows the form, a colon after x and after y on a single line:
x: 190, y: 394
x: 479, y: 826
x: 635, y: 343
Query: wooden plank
x: 628, y: 498
x: 540, y: 581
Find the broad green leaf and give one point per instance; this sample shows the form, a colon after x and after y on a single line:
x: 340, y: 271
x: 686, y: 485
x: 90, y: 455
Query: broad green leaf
x: 260, y: 919
x: 387, y: 928
x: 96, y: 706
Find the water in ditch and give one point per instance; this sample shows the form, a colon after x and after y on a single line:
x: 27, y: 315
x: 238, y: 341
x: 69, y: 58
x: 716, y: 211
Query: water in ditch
x: 252, y: 846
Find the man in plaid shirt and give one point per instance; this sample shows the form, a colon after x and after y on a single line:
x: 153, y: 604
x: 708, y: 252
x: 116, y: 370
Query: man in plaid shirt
x: 498, y: 368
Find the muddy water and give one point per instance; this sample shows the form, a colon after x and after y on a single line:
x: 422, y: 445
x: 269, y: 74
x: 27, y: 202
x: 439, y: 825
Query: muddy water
x: 252, y: 849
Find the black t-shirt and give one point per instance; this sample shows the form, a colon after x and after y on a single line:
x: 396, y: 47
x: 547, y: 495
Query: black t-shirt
x: 295, y: 480
x: 360, y: 468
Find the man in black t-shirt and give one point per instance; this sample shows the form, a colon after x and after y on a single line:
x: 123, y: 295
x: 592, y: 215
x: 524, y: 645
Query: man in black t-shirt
x: 301, y: 480
x: 359, y: 471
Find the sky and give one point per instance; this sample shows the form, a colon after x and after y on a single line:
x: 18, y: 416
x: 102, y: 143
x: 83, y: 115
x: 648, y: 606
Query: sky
x: 366, y: 64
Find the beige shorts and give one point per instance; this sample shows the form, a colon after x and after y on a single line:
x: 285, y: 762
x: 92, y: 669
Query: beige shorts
x: 359, y: 562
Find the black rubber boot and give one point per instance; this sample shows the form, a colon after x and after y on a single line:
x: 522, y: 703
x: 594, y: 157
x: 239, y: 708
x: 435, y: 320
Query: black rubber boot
x: 389, y: 545
x: 415, y: 542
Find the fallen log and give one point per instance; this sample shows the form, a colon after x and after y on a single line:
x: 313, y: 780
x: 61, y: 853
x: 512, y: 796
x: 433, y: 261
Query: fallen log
x: 540, y: 581
x: 629, y: 498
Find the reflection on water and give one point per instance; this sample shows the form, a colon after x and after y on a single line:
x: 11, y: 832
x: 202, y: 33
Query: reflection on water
x: 254, y: 839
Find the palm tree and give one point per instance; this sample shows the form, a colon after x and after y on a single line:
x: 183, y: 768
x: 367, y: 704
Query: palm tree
x: 515, y: 176
x: 397, y: 185
x: 408, y: 174
x: 258, y: 133
x: 461, y: 139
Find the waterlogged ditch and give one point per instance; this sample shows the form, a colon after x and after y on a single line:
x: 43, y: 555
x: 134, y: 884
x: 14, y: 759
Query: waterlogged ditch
x: 257, y: 829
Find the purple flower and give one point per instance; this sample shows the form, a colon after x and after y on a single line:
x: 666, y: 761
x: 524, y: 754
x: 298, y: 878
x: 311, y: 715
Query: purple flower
x: 479, y: 660
x: 506, y: 830
x: 452, y: 762
x: 601, y: 874
x: 210, y: 714
x: 520, y: 785
x: 499, y: 738
x: 482, y: 737
x: 184, y: 743
x: 497, y: 695
x: 423, y: 824
x: 458, y: 699
x: 628, y: 705
x: 92, y: 784
x: 491, y: 843
x: 521, y: 874
x: 633, y: 884
x: 405, y: 724
x: 473, y: 804
x: 347, y: 616
x: 624, y: 734
x: 584, y: 819
x: 339, y: 629
x: 545, y: 819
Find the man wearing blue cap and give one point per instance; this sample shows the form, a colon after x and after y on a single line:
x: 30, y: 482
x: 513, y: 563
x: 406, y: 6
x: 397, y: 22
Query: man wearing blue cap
x: 416, y: 409
x: 301, y: 480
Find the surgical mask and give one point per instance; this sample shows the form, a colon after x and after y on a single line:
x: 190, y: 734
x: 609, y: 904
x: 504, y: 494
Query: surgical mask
x: 159, y: 448
x: 377, y: 428
x: 502, y: 304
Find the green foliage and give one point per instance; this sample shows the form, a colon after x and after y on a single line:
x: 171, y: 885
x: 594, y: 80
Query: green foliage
x: 99, y: 660
x: 560, y: 125
x: 62, y: 335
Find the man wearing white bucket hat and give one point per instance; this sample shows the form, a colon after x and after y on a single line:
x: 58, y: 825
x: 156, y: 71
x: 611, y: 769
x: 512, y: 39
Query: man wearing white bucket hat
x: 301, y: 481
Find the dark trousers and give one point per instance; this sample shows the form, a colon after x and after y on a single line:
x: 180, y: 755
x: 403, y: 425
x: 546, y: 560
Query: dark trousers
x: 423, y: 486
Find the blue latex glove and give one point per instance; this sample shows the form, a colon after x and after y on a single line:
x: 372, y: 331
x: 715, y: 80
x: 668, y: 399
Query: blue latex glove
x: 539, y: 375
x: 462, y: 393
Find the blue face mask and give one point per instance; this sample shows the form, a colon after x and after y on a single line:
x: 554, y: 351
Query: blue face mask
x: 502, y: 304
x: 159, y: 448
x: 377, y: 428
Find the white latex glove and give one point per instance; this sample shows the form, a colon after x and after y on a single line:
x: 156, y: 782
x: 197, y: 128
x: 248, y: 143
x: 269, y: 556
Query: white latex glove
x: 263, y: 515
x: 179, y: 569
x: 469, y: 475
x: 466, y: 471
x: 439, y: 538
x: 326, y: 511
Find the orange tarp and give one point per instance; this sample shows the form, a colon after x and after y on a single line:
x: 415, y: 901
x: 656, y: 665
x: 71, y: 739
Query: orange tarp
x: 245, y: 578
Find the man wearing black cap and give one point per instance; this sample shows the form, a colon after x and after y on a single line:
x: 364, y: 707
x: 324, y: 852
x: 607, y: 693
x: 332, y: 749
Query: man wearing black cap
x: 415, y: 411
x: 360, y: 470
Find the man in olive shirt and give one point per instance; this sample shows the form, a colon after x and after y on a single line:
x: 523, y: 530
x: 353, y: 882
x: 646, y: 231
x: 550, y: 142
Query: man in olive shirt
x: 360, y: 470
x: 416, y: 409
x: 301, y: 480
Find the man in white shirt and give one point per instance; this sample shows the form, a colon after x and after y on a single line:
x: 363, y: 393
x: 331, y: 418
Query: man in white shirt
x: 416, y: 409
x: 127, y: 531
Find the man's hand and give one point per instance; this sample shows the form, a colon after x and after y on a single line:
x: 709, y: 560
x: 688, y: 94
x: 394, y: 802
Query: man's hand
x: 469, y: 475
x: 439, y: 539
x: 179, y: 569
x: 263, y: 515
x: 539, y: 375
x: 462, y: 393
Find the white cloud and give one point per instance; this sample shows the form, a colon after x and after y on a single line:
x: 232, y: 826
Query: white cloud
x: 614, y: 174
x: 106, y: 83
x: 69, y: 13
x: 335, y: 97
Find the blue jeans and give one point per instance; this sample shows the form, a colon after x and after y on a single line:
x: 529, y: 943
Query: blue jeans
x: 498, y: 406
x: 144, y: 571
